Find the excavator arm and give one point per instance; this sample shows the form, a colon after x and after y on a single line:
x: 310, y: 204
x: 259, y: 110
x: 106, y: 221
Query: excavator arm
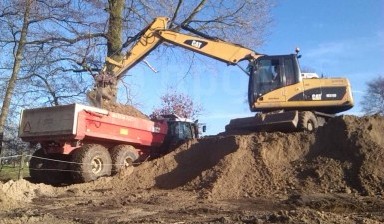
x: 157, y: 32
x: 147, y: 42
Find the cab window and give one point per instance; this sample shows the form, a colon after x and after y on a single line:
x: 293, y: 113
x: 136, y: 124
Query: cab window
x: 268, y: 75
x: 289, y: 71
x: 187, y: 131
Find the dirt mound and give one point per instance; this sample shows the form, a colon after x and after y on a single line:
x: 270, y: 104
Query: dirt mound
x: 23, y: 190
x: 178, y: 167
x: 6, y: 202
x: 14, y: 192
x: 124, y: 109
x: 261, y: 177
x: 92, y: 97
x: 346, y: 155
x: 260, y: 165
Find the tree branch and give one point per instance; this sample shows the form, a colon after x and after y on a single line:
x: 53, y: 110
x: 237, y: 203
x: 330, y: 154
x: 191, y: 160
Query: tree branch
x: 67, y: 40
x: 175, y: 13
x: 194, y: 12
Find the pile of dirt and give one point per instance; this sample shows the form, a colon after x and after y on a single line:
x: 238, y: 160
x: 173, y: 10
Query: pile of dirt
x: 23, y: 190
x: 124, y: 109
x: 14, y: 192
x: 335, y: 175
x: 6, y: 202
x: 112, y: 106
x: 346, y: 155
x: 260, y: 166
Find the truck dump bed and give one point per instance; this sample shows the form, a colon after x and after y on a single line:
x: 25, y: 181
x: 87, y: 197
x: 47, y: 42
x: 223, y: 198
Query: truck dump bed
x: 80, y: 122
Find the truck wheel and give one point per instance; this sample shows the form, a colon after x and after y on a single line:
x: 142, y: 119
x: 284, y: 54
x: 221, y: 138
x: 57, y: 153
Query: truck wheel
x: 46, y: 169
x: 90, y: 162
x: 58, y: 171
x: 122, y: 157
x: 307, y: 121
x: 37, y: 166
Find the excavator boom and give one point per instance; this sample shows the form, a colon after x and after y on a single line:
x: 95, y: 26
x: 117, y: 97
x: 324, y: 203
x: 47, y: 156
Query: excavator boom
x: 157, y: 32
x: 220, y: 50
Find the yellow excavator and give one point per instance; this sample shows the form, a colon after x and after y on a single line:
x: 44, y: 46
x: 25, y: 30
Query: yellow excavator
x: 285, y: 98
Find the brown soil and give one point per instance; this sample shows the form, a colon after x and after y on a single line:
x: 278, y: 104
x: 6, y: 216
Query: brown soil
x: 335, y: 175
x: 115, y: 107
x: 124, y: 109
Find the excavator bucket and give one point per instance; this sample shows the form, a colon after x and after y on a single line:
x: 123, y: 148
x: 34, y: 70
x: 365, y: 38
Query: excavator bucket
x: 284, y: 122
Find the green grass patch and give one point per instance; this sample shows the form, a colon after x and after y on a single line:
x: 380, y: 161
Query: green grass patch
x: 8, y: 172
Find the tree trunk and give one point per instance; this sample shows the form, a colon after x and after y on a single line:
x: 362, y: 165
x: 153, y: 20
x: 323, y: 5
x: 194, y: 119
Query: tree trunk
x: 107, y: 92
x: 15, y: 71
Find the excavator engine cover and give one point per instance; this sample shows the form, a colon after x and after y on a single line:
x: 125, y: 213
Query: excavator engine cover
x: 285, y: 121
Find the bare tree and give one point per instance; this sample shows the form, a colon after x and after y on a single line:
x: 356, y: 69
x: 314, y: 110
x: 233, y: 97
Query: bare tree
x: 16, y: 67
x: 61, y: 36
x: 373, y: 100
x: 40, y: 42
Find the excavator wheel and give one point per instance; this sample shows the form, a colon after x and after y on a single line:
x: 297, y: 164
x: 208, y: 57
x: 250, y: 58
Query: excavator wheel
x: 307, y: 121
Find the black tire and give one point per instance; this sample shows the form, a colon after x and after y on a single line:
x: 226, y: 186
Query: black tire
x: 90, y: 162
x: 60, y: 172
x: 123, y: 157
x: 307, y: 121
x: 47, y: 168
x: 37, y: 166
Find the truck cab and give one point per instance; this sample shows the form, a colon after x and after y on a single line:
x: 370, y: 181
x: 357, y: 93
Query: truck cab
x: 180, y: 130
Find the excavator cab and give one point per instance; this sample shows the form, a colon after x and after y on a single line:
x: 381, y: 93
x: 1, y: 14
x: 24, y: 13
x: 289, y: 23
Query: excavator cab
x: 276, y: 83
x: 269, y: 73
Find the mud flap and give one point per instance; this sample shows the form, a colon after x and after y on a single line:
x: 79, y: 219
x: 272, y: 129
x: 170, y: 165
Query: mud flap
x: 285, y: 122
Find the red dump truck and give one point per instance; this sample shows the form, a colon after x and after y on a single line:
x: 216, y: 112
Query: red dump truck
x: 81, y: 143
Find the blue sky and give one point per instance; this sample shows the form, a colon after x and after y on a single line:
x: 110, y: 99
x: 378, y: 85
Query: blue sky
x: 342, y: 38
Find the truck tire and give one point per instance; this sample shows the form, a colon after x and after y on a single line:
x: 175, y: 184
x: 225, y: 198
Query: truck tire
x: 123, y: 157
x: 307, y: 121
x: 90, y: 162
x: 47, y: 168
x: 59, y: 172
x: 37, y: 166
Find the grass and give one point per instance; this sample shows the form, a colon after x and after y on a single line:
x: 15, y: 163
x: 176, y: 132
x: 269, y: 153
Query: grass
x: 8, y: 172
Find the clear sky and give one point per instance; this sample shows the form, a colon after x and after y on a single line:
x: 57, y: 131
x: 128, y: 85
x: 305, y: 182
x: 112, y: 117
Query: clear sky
x: 343, y: 38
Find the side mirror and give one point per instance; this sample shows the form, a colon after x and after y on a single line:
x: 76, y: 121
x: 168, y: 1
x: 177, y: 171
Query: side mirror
x: 204, y: 128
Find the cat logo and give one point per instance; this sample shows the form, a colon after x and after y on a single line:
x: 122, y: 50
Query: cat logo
x: 316, y: 96
x: 196, y: 43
